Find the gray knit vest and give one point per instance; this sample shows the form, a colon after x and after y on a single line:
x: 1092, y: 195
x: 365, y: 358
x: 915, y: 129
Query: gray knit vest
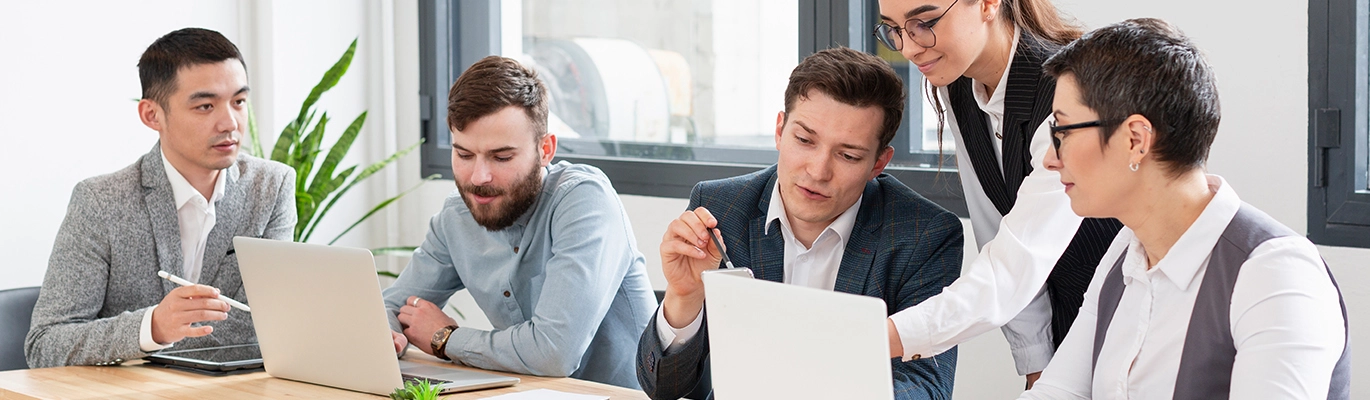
x: 1208, y: 354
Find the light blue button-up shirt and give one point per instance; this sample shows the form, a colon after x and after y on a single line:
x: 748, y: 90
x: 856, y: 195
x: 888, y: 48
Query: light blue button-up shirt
x: 564, y: 287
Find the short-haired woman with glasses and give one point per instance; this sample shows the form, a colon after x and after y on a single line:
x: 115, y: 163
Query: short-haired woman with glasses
x: 1201, y: 296
x: 983, y: 63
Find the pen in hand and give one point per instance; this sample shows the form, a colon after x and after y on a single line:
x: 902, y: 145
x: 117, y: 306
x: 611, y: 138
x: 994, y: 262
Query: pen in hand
x: 179, y: 281
x: 719, y: 244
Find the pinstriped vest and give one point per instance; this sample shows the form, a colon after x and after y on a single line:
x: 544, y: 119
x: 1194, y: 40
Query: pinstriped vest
x: 1209, y: 352
x: 1028, y: 94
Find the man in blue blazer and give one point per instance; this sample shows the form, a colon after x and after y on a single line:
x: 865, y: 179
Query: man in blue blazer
x: 824, y: 216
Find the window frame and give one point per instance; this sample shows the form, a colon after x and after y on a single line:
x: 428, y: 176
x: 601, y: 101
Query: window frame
x: 454, y: 34
x: 1338, y: 199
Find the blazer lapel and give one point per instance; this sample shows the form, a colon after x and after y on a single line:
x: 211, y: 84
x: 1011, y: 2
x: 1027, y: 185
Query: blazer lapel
x: 858, y: 257
x: 1027, y: 102
x: 768, y: 251
x: 227, y: 212
x: 161, y: 211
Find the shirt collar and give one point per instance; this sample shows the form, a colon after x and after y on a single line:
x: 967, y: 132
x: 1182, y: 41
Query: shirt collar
x: 842, y: 226
x: 995, y: 102
x: 1182, y: 263
x: 182, y: 191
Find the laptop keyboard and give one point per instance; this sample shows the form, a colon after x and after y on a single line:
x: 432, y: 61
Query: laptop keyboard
x: 416, y: 378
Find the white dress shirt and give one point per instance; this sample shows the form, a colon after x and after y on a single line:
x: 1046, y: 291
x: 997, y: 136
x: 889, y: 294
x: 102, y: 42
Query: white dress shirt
x: 1285, y: 319
x: 1005, y: 285
x: 812, y: 266
x: 196, y: 217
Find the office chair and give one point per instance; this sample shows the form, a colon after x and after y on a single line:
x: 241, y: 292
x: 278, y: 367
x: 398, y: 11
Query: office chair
x: 16, y: 310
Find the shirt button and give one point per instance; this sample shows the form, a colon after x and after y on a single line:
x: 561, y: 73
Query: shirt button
x: 516, y: 249
x: 506, y: 293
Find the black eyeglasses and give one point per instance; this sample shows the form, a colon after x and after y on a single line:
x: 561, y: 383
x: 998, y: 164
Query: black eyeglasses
x: 919, y: 30
x: 1056, y: 140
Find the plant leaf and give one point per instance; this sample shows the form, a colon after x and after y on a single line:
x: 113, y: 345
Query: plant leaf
x: 336, y: 153
x: 281, y: 152
x: 367, y: 172
x: 307, y: 150
x: 323, y: 194
x: 389, y: 274
x: 256, y: 149
x: 380, y: 206
x: 284, y: 149
x: 454, y: 309
x: 306, y: 205
x: 395, y: 251
x: 329, y: 80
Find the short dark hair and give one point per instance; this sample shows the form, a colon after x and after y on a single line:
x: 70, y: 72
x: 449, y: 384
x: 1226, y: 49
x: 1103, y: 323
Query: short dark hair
x: 853, y: 78
x: 1146, y: 66
x: 492, y: 84
x: 183, y: 48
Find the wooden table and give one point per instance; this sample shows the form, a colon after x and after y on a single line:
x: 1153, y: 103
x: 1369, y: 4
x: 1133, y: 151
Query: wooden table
x: 137, y: 380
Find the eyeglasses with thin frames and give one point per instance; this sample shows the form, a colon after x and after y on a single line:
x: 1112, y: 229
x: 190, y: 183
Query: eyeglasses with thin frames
x: 1056, y: 129
x: 921, y: 32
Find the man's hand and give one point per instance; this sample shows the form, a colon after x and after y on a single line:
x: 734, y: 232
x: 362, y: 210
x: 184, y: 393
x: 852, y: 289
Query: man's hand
x: 173, y: 318
x: 421, y: 319
x: 687, y: 250
x: 400, y: 341
x: 1032, y: 378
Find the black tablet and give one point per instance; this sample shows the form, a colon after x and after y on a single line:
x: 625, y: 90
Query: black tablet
x: 212, y: 359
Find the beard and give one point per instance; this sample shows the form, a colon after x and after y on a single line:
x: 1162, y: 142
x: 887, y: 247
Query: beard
x: 499, y: 215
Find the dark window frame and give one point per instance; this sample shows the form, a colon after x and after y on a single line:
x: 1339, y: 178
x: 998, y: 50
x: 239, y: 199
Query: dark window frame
x: 455, y: 34
x: 1338, y: 199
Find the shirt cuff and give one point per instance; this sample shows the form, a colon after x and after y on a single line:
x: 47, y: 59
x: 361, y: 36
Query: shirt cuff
x: 672, y: 338
x: 1032, y: 358
x: 1029, y: 335
x: 913, y: 332
x: 145, y: 341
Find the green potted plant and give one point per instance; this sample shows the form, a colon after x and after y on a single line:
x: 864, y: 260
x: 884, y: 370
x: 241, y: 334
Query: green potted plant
x: 319, y: 184
x: 420, y: 389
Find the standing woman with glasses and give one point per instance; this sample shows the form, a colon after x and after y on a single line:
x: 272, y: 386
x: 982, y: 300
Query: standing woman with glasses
x: 982, y: 60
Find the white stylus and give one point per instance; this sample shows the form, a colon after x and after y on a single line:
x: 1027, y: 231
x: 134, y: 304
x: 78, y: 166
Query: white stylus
x: 179, y: 281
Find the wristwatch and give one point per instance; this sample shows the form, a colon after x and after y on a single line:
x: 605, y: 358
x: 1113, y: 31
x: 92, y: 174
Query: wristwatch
x: 439, y: 343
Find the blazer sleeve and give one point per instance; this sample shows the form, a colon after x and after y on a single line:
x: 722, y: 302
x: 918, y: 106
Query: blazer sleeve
x: 283, y: 215
x: 934, y: 262
x: 66, y: 328
x: 672, y: 375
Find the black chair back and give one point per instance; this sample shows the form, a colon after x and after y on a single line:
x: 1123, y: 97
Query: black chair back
x: 16, y: 312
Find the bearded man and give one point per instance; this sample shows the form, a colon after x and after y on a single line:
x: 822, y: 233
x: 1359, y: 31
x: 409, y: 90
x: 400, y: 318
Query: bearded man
x: 545, y: 249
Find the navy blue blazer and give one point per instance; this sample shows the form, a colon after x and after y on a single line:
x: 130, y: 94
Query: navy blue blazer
x: 903, y: 249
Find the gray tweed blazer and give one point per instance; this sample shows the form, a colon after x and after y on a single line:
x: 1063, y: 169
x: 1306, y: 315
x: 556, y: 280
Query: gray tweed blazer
x: 121, y: 229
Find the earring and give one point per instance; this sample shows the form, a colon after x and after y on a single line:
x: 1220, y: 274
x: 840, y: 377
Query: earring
x: 1134, y: 166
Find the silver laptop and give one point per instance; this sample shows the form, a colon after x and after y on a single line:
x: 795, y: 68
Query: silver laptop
x: 320, y: 319
x: 776, y: 341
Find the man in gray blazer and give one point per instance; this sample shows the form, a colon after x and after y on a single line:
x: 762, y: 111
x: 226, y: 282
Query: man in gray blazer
x: 176, y: 209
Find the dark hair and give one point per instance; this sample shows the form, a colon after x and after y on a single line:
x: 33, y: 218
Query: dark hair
x: 492, y: 84
x: 1038, y: 18
x: 183, y: 48
x: 1145, y: 66
x: 853, y: 78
